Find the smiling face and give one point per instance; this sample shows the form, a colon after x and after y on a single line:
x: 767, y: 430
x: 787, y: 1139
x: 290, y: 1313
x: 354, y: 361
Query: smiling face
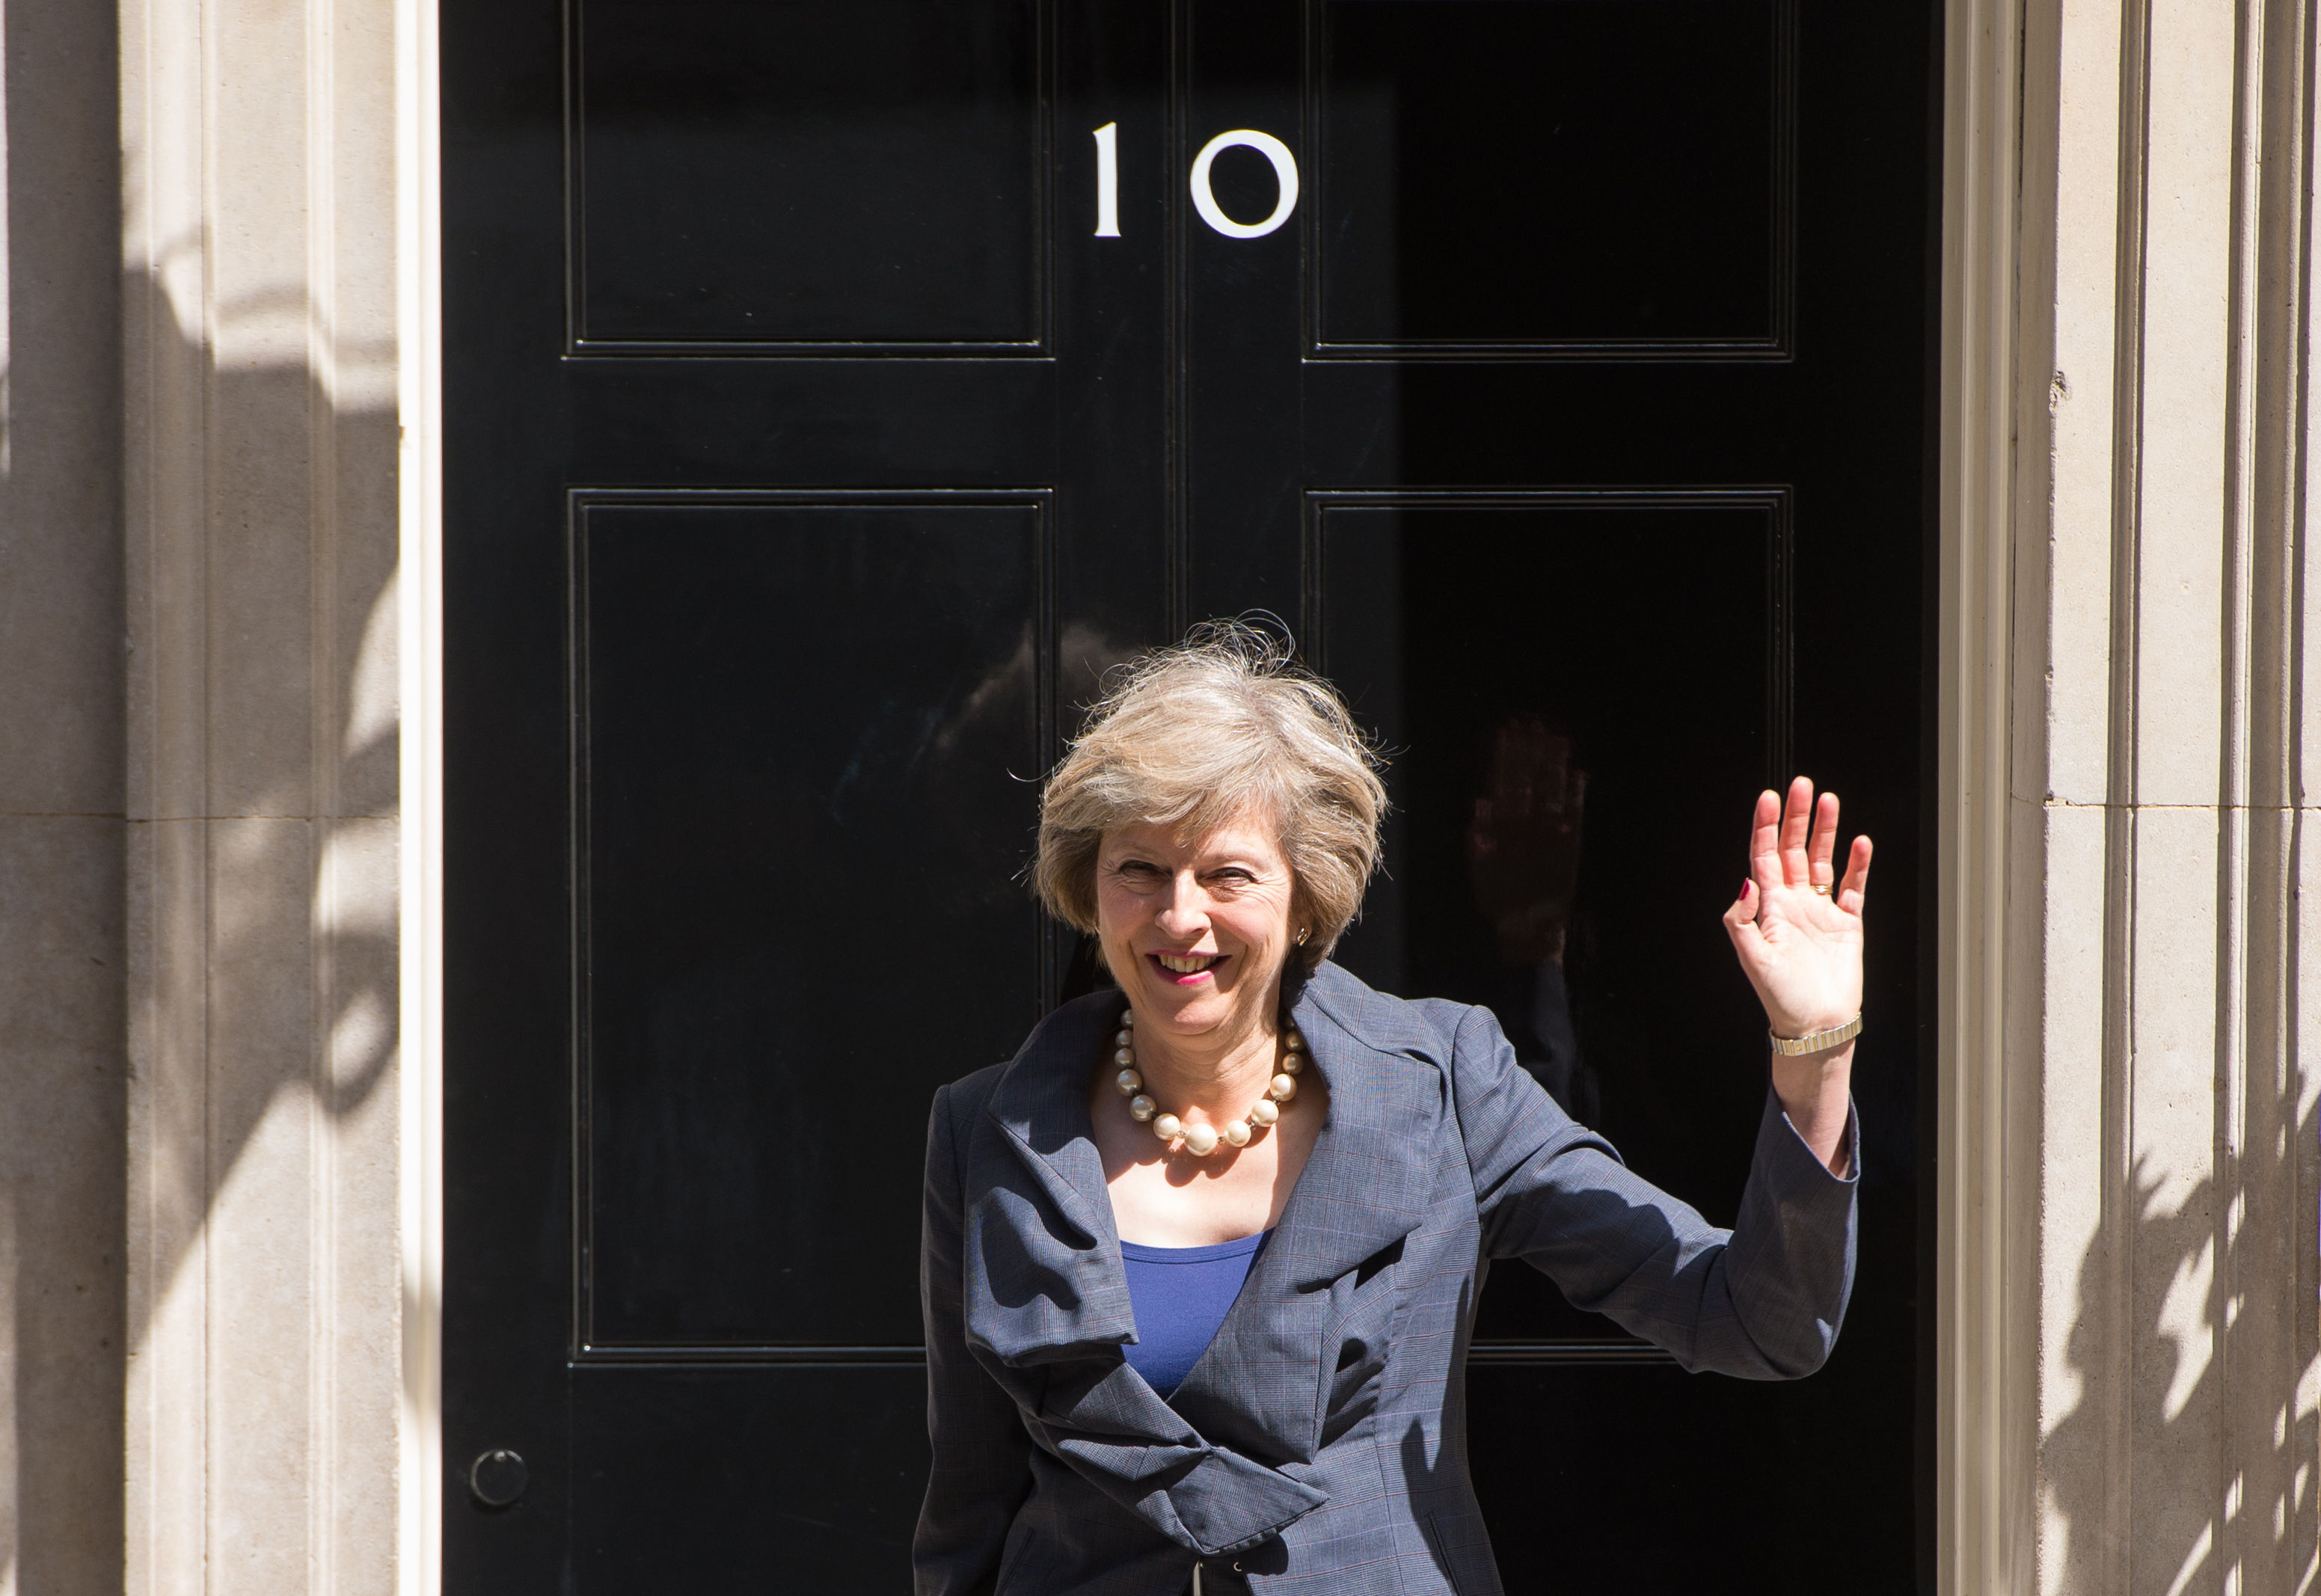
x: 1195, y: 932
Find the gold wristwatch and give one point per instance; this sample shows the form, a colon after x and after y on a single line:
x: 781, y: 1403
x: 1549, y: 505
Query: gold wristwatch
x: 1821, y: 1042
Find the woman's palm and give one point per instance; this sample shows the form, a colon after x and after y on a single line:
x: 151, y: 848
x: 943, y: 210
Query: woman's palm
x: 1796, y: 927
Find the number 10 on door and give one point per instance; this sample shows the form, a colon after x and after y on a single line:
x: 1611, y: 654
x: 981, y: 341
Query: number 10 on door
x: 1205, y: 199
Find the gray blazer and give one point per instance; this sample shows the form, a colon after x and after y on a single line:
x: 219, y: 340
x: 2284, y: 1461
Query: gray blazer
x: 1319, y: 1445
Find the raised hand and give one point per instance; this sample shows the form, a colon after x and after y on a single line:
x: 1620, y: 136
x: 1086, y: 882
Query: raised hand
x: 1796, y: 927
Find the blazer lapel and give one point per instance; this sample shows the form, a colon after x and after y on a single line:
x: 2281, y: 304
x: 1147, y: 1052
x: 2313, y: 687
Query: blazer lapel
x: 1044, y: 1277
x: 1368, y: 1183
x: 1045, y: 1286
x: 1372, y: 1173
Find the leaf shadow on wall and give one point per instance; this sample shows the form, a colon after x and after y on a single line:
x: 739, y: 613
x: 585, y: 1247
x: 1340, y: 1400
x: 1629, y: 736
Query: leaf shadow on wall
x: 2165, y: 1311
x: 263, y: 942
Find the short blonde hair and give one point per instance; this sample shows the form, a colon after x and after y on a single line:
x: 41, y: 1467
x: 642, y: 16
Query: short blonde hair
x: 1193, y: 736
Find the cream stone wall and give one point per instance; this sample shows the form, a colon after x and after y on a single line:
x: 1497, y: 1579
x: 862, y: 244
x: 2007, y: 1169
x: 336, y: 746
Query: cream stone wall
x: 264, y: 1217
x: 2128, y: 1148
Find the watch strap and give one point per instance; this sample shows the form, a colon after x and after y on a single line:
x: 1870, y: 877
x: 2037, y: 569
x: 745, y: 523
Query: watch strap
x: 1820, y: 1041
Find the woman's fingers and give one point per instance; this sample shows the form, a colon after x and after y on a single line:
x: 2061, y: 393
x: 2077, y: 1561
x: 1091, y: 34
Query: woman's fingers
x: 1856, y: 885
x: 1793, y: 843
x: 1740, y: 918
x: 1796, y: 818
x: 1819, y: 871
x: 1765, y: 841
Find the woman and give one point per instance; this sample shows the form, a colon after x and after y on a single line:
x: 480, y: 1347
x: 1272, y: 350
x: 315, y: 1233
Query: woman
x: 1200, y: 1262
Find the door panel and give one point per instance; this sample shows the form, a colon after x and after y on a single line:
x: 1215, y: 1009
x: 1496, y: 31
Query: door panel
x: 1565, y: 791
x: 813, y: 453
x: 1492, y: 640
x: 1663, y: 1481
x: 676, y: 1495
x: 735, y: 164
x: 803, y: 724
x: 1503, y: 178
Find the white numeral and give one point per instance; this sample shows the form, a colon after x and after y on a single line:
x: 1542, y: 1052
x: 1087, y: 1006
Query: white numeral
x: 1285, y: 169
x: 1107, y: 181
x: 1205, y: 199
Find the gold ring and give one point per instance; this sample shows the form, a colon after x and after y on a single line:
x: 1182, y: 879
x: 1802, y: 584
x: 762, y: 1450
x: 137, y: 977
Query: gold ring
x: 1821, y: 889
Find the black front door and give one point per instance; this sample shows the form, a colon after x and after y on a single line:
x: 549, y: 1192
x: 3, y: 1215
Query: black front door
x: 837, y: 386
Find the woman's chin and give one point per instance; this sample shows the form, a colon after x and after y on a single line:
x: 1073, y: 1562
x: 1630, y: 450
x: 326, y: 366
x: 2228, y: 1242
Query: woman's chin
x: 1187, y: 1006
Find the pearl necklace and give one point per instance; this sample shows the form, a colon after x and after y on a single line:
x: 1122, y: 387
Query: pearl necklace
x: 1201, y: 1140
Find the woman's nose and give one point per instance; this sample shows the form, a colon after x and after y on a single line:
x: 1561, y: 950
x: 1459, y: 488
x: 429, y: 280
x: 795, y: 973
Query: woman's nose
x: 1184, y: 909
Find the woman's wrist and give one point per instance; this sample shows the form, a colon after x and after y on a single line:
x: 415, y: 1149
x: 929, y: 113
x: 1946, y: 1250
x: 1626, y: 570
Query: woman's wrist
x: 1815, y: 1091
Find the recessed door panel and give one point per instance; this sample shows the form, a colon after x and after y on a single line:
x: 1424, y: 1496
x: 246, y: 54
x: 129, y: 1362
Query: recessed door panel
x: 1565, y: 787
x: 802, y: 732
x: 1718, y: 1465
x: 791, y: 1479
x: 1515, y: 179
x: 775, y: 172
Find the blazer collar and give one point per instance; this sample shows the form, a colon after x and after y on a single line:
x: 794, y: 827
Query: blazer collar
x: 1387, y: 1090
x: 1367, y: 1183
x: 1093, y: 1412
x: 1040, y: 1101
x: 1373, y: 1170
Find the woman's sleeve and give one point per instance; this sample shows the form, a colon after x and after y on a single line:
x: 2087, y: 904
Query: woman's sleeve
x: 982, y: 1457
x: 1763, y: 1300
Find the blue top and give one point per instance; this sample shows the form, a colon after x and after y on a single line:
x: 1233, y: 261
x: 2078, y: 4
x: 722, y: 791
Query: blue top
x: 1180, y: 1295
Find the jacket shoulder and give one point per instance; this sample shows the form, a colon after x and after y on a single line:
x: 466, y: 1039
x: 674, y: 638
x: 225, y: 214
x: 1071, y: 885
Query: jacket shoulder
x: 1428, y: 1027
x: 966, y: 1098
